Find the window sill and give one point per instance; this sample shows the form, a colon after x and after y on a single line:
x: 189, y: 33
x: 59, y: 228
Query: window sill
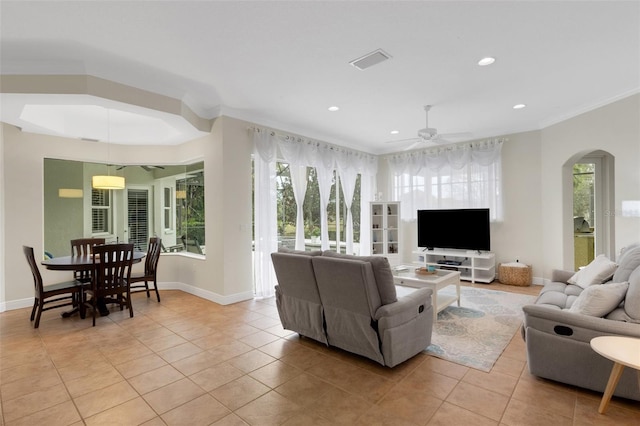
x: 185, y: 254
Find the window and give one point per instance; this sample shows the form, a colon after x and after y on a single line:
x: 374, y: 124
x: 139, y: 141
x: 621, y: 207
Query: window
x: 167, y: 210
x: 100, y: 211
x: 190, y: 221
x: 337, y: 211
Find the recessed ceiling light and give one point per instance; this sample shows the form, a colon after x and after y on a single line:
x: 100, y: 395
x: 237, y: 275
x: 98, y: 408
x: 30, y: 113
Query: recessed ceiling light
x: 333, y: 108
x: 486, y: 61
x: 395, y: 132
x: 519, y: 106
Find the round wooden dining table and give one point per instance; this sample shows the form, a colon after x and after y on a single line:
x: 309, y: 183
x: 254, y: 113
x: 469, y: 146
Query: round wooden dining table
x: 79, y: 263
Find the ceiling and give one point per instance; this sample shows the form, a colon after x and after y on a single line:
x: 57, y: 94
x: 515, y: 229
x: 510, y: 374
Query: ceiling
x: 282, y: 64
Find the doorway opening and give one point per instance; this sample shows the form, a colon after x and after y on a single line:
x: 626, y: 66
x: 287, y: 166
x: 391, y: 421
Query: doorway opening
x: 593, y: 195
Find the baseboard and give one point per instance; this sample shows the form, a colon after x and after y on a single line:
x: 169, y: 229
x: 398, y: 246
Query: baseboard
x: 205, y: 294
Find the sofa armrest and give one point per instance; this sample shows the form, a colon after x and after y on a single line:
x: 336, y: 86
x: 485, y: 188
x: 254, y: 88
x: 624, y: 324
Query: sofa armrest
x: 558, y: 275
x: 405, y: 308
x: 574, y: 326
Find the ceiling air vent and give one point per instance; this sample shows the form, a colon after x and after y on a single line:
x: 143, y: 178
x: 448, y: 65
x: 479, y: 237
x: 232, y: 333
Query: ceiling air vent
x: 370, y: 59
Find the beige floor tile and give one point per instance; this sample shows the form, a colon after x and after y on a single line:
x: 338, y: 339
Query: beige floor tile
x: 493, y: 381
x: 195, y: 363
x: 269, y: 409
x: 258, y: 339
x: 587, y: 411
x: 59, y: 415
x: 203, y: 410
x: 304, y: 389
x: 133, y: 412
x: 509, y: 366
x: 29, y: 384
x: 428, y: 381
x: 519, y: 413
x: 103, y: 399
x: 138, y: 366
x: 36, y: 401
x: 216, y: 376
x: 229, y: 350
x: 449, y: 414
x: 239, y: 392
x: 279, y: 348
x: 93, y: 382
x: 250, y: 361
x: 340, y: 406
x: 303, y: 358
x: 179, y: 352
x: 409, y: 405
x: 481, y: 401
x: 155, y: 379
x: 173, y: 395
x: 550, y: 396
x: 275, y: 374
x: 165, y: 342
x: 444, y: 367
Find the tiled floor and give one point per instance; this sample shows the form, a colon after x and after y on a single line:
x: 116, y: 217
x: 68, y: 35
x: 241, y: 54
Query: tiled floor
x: 188, y: 361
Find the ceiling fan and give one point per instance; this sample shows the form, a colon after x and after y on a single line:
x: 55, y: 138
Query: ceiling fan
x: 146, y: 168
x: 430, y: 134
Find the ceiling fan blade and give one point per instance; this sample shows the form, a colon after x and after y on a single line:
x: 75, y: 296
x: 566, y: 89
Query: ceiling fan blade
x: 403, y: 140
x: 414, y: 145
x: 455, y: 135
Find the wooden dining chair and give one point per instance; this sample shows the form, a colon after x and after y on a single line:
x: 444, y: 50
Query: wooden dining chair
x: 141, y: 280
x: 60, y: 294
x: 84, y: 247
x: 110, y: 277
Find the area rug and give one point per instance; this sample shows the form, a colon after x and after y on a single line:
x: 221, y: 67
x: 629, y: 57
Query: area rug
x: 477, y: 332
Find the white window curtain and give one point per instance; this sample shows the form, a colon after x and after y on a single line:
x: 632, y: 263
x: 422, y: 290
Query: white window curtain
x: 324, y: 165
x: 348, y: 177
x: 467, y: 175
x: 266, y: 235
x: 294, y: 153
x: 323, y: 156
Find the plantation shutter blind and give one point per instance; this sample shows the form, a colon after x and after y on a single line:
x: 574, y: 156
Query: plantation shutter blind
x: 138, y: 218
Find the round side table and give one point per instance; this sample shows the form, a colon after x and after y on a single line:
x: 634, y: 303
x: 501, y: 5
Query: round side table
x: 623, y: 351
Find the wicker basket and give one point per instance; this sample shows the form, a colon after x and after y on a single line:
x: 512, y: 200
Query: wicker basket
x: 514, y: 275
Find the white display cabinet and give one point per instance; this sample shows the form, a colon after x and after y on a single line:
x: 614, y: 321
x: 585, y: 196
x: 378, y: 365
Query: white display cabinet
x: 385, y: 230
x: 473, y: 265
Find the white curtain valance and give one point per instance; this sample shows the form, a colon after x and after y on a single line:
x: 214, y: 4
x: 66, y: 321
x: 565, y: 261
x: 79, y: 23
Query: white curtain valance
x: 307, y: 152
x: 456, y: 156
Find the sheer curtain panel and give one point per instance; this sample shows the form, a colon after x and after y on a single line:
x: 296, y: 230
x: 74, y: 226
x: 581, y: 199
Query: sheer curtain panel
x: 266, y: 235
x: 467, y: 175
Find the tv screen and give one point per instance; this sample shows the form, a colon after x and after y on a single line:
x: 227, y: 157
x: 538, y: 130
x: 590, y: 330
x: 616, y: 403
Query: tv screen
x: 464, y: 229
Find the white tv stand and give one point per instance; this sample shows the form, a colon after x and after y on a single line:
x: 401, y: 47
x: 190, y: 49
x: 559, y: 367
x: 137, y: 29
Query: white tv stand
x: 474, y: 266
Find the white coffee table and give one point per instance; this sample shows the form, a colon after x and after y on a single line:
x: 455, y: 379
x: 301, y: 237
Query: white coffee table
x: 623, y: 351
x: 436, y: 282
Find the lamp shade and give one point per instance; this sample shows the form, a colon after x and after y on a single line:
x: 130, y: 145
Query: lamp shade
x: 107, y: 182
x: 69, y: 193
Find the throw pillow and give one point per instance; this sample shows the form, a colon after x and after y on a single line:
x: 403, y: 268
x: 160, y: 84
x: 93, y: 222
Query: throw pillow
x: 628, y: 262
x: 599, y: 300
x: 598, y: 271
x: 381, y: 271
x: 632, y: 301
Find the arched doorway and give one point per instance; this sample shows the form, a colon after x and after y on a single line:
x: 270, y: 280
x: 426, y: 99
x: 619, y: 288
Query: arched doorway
x: 589, y: 200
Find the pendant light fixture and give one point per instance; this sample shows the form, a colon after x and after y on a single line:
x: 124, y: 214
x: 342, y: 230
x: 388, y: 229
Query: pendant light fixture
x: 107, y: 181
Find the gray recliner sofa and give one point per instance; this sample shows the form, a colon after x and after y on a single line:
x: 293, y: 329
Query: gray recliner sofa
x: 350, y: 302
x: 558, y: 341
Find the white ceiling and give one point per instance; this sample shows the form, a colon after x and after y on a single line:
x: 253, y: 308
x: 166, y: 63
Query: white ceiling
x: 282, y: 64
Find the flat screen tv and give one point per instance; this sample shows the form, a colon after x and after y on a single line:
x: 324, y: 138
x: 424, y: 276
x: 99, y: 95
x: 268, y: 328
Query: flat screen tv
x: 463, y: 229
